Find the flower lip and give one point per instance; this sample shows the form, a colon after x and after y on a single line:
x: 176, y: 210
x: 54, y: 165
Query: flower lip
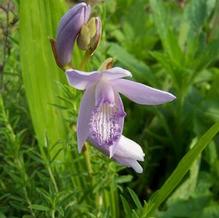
x: 104, y: 125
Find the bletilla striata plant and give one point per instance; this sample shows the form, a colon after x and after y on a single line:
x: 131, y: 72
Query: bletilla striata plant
x: 101, y: 115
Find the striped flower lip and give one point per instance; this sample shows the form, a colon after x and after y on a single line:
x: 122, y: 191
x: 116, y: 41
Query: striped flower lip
x: 101, y: 115
x: 104, y: 124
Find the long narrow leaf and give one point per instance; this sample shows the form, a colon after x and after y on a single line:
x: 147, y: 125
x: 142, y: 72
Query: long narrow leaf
x: 38, y: 20
x: 180, y: 171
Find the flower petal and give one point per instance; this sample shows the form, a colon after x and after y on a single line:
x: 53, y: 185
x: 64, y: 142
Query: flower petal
x: 129, y: 149
x: 141, y: 93
x: 86, y: 108
x: 116, y: 73
x: 130, y: 163
x: 81, y: 80
x: 104, y: 93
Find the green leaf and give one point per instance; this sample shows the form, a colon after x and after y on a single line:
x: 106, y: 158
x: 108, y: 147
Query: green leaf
x: 126, y: 207
x: 26, y: 216
x: 163, y: 24
x: 124, y: 179
x: 189, y: 185
x: 180, y: 171
x: 135, y: 198
x: 207, y: 55
x: 195, y: 16
x: 39, y: 207
x: 2, y: 215
x: 39, y: 70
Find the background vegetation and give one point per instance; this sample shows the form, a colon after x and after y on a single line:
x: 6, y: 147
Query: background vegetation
x: 169, y: 44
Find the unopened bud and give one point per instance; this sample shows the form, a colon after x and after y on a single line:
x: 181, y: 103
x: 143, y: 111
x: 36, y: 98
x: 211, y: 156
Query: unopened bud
x: 90, y: 34
x: 68, y: 30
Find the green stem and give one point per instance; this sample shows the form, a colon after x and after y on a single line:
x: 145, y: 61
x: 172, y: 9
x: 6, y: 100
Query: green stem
x: 28, y: 201
x: 53, y: 179
x: 98, y: 196
x: 53, y: 214
x: 88, y: 161
x: 85, y: 61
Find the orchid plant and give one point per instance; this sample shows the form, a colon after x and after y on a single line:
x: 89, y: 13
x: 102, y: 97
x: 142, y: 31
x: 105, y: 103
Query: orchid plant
x: 101, y: 115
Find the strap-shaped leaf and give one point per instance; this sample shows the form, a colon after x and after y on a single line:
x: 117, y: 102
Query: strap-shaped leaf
x: 180, y: 171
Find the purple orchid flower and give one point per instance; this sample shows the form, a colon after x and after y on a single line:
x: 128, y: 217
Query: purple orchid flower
x: 68, y: 30
x: 102, y: 114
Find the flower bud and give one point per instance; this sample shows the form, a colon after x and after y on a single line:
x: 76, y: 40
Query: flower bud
x: 89, y: 36
x: 68, y: 30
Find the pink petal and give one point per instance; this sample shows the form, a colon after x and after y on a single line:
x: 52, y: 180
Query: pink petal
x: 129, y: 149
x: 81, y: 80
x: 130, y: 163
x: 142, y: 94
x: 116, y: 73
x: 104, y: 93
x: 86, y: 107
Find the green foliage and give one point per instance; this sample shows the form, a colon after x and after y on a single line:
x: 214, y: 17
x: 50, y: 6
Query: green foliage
x: 181, y: 170
x: 130, y: 62
x: 198, y: 203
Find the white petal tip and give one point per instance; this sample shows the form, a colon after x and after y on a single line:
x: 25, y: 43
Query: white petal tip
x: 138, y: 169
x: 83, y: 3
x: 167, y: 97
x: 69, y: 70
x: 172, y: 97
x: 129, y: 74
x: 79, y: 150
x: 141, y: 158
x: 80, y: 147
x: 111, y: 152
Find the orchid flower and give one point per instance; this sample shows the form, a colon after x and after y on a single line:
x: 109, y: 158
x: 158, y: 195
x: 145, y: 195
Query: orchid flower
x: 102, y: 114
x: 68, y: 30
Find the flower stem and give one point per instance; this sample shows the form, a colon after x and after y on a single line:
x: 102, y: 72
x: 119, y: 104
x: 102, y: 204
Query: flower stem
x: 98, y: 196
x: 87, y: 159
x: 85, y: 60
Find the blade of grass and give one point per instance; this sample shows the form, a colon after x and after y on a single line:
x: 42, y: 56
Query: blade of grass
x: 180, y: 171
